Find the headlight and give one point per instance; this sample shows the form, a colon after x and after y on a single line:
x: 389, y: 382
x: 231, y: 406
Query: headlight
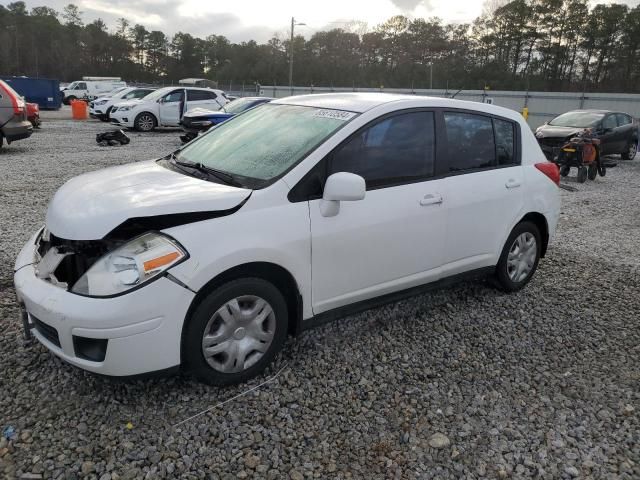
x: 202, y: 123
x: 101, y: 102
x: 130, y: 265
x: 125, y: 109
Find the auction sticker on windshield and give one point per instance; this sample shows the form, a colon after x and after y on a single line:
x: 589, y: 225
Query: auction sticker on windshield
x: 335, y: 114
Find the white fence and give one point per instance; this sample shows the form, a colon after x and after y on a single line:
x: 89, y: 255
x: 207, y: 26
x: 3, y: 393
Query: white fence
x: 543, y: 106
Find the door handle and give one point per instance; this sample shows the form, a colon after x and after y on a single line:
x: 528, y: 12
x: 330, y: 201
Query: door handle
x: 431, y: 199
x: 512, y: 183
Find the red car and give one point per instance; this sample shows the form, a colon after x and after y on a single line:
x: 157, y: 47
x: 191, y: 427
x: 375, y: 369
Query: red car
x: 33, y: 114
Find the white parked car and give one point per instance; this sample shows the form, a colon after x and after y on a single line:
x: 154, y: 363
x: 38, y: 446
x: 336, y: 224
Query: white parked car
x: 100, y: 108
x: 299, y: 211
x: 165, y: 107
x: 90, y: 89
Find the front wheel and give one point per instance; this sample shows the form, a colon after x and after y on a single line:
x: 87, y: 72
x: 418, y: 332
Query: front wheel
x: 145, y: 122
x: 564, y: 170
x: 235, y: 332
x: 630, y: 152
x: 520, y: 256
x: 592, y: 172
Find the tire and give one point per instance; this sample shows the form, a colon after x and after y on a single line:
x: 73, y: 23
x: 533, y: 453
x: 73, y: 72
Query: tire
x: 253, y: 335
x: 582, y: 174
x: 564, y: 170
x: 145, y: 122
x: 630, y: 151
x: 592, y: 171
x: 514, y: 273
x: 67, y: 101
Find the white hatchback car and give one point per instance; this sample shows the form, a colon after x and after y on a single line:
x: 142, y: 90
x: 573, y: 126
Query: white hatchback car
x: 165, y: 107
x: 298, y: 211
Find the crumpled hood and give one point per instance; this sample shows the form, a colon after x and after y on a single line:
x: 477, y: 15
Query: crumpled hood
x: 549, y: 131
x: 89, y: 206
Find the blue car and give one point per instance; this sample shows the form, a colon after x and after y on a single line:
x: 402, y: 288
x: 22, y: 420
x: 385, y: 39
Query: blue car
x: 200, y: 120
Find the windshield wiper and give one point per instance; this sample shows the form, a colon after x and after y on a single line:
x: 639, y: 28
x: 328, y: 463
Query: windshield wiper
x: 227, y: 178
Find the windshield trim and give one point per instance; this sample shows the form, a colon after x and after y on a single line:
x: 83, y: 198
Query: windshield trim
x: 264, y: 183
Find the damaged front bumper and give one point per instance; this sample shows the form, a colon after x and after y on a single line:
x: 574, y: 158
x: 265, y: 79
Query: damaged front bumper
x: 130, y: 334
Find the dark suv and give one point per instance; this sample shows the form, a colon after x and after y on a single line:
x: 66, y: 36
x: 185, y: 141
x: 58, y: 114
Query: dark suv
x: 617, y: 131
x: 13, y: 115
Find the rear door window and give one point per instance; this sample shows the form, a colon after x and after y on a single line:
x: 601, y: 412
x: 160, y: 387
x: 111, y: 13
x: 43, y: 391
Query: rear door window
x: 200, y: 95
x: 623, y: 119
x: 470, y: 141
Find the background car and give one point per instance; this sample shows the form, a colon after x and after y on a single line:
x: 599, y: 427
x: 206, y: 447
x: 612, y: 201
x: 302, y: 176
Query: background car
x: 89, y: 88
x: 33, y: 114
x: 101, y: 107
x: 165, y: 107
x: 201, y: 119
x: 14, y: 124
x: 617, y: 131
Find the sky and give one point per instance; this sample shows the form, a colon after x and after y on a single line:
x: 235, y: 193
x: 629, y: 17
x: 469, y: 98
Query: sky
x: 242, y: 20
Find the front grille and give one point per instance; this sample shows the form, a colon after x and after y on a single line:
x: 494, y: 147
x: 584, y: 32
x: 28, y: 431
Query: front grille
x: 552, y: 141
x: 47, y: 331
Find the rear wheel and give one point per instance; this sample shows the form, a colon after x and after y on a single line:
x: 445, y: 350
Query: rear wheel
x: 582, y: 174
x: 592, y: 172
x: 630, y: 151
x: 69, y: 99
x: 520, y: 256
x: 145, y: 122
x: 235, y: 332
x: 564, y: 170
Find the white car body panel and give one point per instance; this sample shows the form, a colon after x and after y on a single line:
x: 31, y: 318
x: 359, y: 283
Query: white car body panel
x: 382, y: 244
x: 91, y: 205
x: 385, y: 242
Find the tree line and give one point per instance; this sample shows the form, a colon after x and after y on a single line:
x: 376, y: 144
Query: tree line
x: 517, y: 45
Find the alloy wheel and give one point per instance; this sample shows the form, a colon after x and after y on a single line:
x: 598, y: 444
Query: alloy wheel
x: 238, y: 334
x: 633, y: 149
x: 145, y: 123
x: 522, y: 257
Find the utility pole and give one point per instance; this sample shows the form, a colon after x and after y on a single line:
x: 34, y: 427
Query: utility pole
x: 431, y: 74
x: 293, y: 25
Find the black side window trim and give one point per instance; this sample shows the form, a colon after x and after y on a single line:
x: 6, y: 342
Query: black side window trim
x: 299, y: 192
x: 517, y: 154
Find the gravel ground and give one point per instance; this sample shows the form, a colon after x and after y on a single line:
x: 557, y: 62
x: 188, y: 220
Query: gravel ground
x: 462, y: 383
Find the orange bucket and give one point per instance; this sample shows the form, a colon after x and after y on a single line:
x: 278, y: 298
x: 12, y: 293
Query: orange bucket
x: 79, y: 110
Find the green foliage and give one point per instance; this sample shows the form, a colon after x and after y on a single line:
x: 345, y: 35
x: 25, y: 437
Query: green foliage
x: 534, y: 44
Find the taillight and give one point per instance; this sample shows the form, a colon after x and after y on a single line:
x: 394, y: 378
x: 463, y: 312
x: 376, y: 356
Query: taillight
x: 16, y: 101
x: 551, y: 170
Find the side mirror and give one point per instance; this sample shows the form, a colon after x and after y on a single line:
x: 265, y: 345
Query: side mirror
x: 341, y: 187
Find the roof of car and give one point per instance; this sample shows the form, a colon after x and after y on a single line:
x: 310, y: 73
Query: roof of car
x: 360, y: 102
x: 592, y: 110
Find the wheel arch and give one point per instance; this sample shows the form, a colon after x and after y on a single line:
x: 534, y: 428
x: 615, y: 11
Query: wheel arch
x: 540, y: 221
x: 280, y: 277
